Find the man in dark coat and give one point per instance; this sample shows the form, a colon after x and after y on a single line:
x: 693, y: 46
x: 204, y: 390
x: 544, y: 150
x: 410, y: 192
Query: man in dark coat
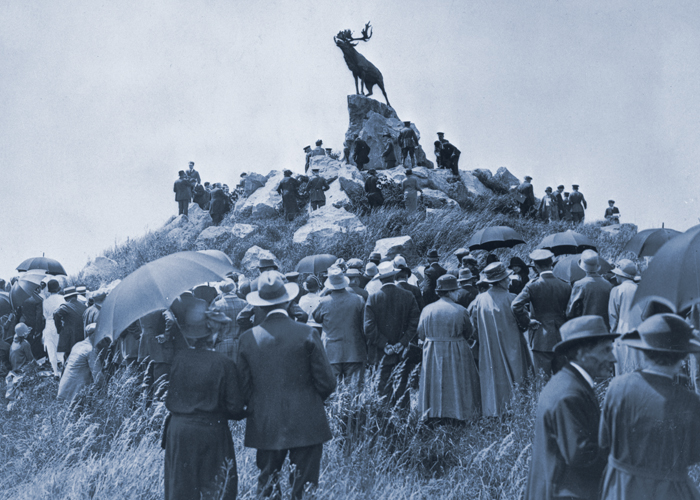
x: 578, y: 205
x: 391, y: 322
x: 374, y: 194
x: 192, y: 175
x: 566, y: 459
x: 467, y: 292
x: 449, y: 154
x: 183, y: 193
x: 289, y: 189
x: 361, y: 155
x: 286, y: 377
x: 590, y: 295
x: 201, y: 197
x: 69, y: 322
x: 220, y: 205
x: 389, y: 155
x: 307, y: 154
x: 432, y: 273
x: 155, y: 347
x: 547, y: 298
x: 559, y: 197
x: 526, y: 196
x: 316, y: 188
x: 408, y: 140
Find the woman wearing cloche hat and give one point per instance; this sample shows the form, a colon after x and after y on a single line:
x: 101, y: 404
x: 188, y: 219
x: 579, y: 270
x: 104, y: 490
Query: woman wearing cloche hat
x: 649, y: 421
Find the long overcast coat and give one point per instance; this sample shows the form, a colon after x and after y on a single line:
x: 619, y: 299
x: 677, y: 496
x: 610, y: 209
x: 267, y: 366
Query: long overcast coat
x: 566, y: 459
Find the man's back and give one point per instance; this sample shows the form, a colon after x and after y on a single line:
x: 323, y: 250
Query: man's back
x: 577, y: 201
x: 183, y: 190
x: 341, y: 314
x: 391, y: 316
x: 590, y: 295
x: 316, y: 187
x: 286, y: 376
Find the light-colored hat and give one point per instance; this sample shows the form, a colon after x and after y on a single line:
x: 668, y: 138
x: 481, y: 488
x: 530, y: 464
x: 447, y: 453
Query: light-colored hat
x: 354, y: 264
x: 541, y: 254
x: 400, y: 262
x: 272, y: 290
x: 589, y: 261
x: 99, y: 296
x: 90, y: 329
x: 22, y: 330
x: 446, y: 283
x: 627, y: 269
x: 460, y: 253
x: 69, y: 292
x: 386, y: 270
x: 663, y: 333
x: 336, y: 280
x: 353, y: 273
x: 583, y: 328
x: 82, y: 290
x: 495, y: 272
x: 371, y: 269
x: 465, y: 275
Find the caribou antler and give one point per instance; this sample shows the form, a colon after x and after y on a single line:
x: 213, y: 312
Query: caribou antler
x: 346, y: 35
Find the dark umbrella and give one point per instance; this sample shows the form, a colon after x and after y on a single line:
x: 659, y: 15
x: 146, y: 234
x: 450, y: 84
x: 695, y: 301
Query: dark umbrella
x: 155, y: 286
x: 491, y: 238
x: 568, y: 242
x: 673, y: 276
x: 568, y: 269
x: 27, y: 285
x: 5, y: 304
x: 316, y: 264
x: 646, y: 243
x: 51, y: 266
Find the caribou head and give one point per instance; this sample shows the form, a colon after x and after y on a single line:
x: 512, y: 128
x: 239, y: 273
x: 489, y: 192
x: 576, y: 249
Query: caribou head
x: 345, y: 38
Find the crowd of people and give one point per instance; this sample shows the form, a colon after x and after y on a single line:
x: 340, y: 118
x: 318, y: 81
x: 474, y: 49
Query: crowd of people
x: 215, y: 198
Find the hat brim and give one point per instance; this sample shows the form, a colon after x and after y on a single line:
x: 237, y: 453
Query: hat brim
x: 451, y: 289
x: 498, y: 278
x: 620, y: 272
x: 340, y: 286
x: 72, y: 294
x: 585, y: 267
x: 634, y: 340
x: 565, y: 344
x: 196, y: 331
x: 386, y: 275
x: 291, y: 292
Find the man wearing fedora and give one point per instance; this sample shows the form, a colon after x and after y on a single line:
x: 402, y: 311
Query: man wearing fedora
x: 526, y: 196
x: 449, y: 382
x: 566, y: 459
x: 649, y: 421
x: 375, y: 198
x: 289, y: 189
x: 390, y: 322
x: 341, y: 314
x: 408, y: 140
x: 589, y: 295
x: 354, y: 275
x: 546, y: 298
x: 286, y: 377
x: 318, y: 150
x: 68, y: 319
x: 466, y: 292
x: 402, y: 277
x: 316, y: 188
x: 183, y: 193
x: 623, y: 318
x: 503, y: 354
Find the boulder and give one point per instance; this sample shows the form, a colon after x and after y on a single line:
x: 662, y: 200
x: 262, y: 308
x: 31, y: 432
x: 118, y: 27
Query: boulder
x: 253, y: 255
x: 183, y: 230
x: 325, y: 224
x: 213, y: 237
x: 265, y: 202
x: 371, y: 120
x: 432, y: 198
x: 252, y: 182
x: 612, y: 229
x: 353, y: 188
x: 396, y: 175
x: 242, y: 230
x: 504, y: 176
x: 98, y: 272
x: 391, y: 247
x: 331, y: 169
x: 336, y: 197
x: 472, y: 184
x: 443, y: 180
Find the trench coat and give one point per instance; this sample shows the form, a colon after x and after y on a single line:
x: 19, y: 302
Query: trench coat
x: 410, y: 193
x: 316, y: 187
x: 624, y: 319
x: 449, y: 380
x: 82, y: 369
x: 503, y: 355
x: 286, y: 376
x: 341, y: 314
x: 566, y: 459
x: 288, y: 188
x: 651, y: 426
x: 590, y: 295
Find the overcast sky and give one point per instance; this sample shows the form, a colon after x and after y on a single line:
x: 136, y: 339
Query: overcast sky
x: 103, y: 102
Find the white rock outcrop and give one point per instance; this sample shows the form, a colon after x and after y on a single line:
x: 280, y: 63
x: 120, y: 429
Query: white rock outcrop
x: 242, y: 230
x: 432, y: 198
x: 325, y: 224
x: 472, y: 184
x: 391, y: 247
x: 253, y: 255
x: 265, y: 202
x: 213, y: 237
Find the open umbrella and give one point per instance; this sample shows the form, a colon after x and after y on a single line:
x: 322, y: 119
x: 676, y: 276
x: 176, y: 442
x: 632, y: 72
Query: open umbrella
x: 646, y: 243
x: 51, y: 266
x: 568, y: 269
x: 26, y: 285
x: 491, y: 238
x: 155, y: 286
x: 568, y: 242
x: 315, y: 264
x: 673, y: 276
x: 5, y: 304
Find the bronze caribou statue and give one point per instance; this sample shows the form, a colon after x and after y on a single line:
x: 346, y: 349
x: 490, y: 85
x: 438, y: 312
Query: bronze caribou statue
x: 367, y: 72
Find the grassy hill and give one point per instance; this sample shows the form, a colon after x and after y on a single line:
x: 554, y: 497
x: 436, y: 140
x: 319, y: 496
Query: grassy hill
x: 107, y: 445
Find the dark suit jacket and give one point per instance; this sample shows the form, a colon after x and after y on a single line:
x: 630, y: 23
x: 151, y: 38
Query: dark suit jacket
x: 590, y: 295
x: 391, y: 317
x: 414, y: 290
x: 547, y: 297
x: 285, y: 376
x: 183, y: 190
x: 69, y: 325
x: 566, y: 459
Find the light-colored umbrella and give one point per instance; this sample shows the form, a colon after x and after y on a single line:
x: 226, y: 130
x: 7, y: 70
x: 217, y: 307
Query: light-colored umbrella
x: 155, y: 286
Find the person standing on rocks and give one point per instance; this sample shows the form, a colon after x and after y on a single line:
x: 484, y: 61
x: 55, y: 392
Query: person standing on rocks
x: 307, y: 152
x: 578, y: 205
x: 220, y: 205
x: 183, y: 193
x: 374, y: 194
x: 612, y: 213
x: 559, y: 196
x: 408, y: 140
x: 527, y: 196
x: 389, y: 155
x: 318, y: 150
x: 449, y: 154
x: 289, y: 188
x: 193, y: 176
x: 316, y: 188
x: 566, y: 208
x: 549, y: 208
x: 410, y: 189
x: 361, y: 155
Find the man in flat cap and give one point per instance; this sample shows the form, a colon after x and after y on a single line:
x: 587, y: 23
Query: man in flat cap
x: 567, y: 462
x: 526, y: 196
x: 307, y: 153
x: 408, y: 140
x: 316, y: 187
x: 546, y: 298
x: 318, y: 150
x: 578, y: 205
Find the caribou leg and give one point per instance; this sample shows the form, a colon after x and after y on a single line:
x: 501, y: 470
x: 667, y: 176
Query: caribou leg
x: 381, y: 86
x: 357, y: 89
